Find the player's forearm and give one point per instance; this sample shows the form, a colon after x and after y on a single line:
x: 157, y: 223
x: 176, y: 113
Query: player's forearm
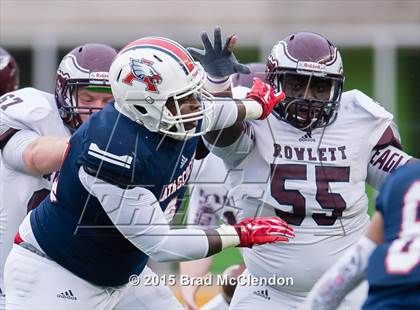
x: 201, y: 243
x: 28, y: 152
x: 383, y: 162
x: 339, y: 280
x: 228, y: 117
x: 45, y: 154
x: 138, y: 216
x: 195, y: 268
x: 150, y: 232
x: 228, y: 113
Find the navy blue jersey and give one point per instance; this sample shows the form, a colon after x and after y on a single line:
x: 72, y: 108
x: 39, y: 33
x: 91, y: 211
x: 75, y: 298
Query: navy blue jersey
x: 394, y: 266
x: 72, y: 227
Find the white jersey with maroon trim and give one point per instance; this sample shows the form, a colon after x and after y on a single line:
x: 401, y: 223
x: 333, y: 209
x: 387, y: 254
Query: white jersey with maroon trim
x: 24, y: 109
x: 316, y: 182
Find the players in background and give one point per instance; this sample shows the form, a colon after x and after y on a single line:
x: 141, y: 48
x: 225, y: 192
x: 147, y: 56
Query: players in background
x: 9, y: 81
x: 307, y: 163
x: 9, y: 72
x: 388, y: 256
x: 209, y: 203
x: 120, y: 181
x: 35, y: 127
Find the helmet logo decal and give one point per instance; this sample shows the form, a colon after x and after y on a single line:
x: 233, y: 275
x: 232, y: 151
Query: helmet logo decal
x: 4, y: 61
x: 143, y: 71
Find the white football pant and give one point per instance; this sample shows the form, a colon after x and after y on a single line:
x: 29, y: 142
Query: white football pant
x: 36, y: 282
x: 267, y: 298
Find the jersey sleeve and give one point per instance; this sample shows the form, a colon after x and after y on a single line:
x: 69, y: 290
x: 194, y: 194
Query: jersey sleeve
x: 387, y: 155
x: 103, y: 155
x: 150, y: 231
x: 381, y: 147
x: 29, y: 109
x: 12, y: 153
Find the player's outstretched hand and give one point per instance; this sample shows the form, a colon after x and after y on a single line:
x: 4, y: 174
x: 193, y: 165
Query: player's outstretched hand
x: 264, y: 94
x: 217, y: 61
x: 263, y: 230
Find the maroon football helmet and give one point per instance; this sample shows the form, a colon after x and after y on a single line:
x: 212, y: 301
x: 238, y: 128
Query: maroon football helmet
x: 308, y: 68
x: 9, y: 72
x: 257, y: 71
x: 85, y: 66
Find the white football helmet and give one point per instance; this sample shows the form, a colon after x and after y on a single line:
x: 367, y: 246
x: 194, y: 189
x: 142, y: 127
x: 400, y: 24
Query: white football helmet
x: 149, y: 71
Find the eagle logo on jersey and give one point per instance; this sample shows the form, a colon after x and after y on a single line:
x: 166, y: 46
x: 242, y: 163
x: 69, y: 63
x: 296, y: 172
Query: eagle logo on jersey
x: 142, y: 70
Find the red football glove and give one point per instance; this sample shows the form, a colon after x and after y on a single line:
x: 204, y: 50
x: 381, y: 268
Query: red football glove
x: 264, y: 94
x: 263, y: 230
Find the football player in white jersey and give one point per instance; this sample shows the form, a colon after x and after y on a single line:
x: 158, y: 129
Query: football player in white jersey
x: 9, y: 81
x: 209, y: 203
x: 159, y: 113
x: 35, y: 128
x: 307, y: 163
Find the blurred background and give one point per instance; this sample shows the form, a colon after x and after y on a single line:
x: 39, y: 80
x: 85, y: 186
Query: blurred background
x: 379, y: 41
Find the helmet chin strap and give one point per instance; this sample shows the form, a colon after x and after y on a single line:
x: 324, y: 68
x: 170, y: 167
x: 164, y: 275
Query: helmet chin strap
x: 287, y: 115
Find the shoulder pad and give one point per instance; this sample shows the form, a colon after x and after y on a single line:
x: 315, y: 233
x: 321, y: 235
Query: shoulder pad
x: 27, y: 104
x: 360, y: 101
x: 29, y: 108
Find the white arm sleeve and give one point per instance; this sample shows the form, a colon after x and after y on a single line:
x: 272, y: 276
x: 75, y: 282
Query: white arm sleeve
x: 137, y: 215
x: 225, y: 114
x: 13, y: 150
x: 341, y: 278
x: 233, y: 154
x: 383, y: 162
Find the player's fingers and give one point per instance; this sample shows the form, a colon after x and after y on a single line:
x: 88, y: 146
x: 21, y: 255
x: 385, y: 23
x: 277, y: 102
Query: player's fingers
x: 230, y: 44
x: 240, y: 68
x: 217, y: 39
x: 281, y: 239
x: 280, y: 97
x: 274, y: 220
x: 286, y: 230
x: 206, y: 41
x: 196, y: 53
x: 282, y: 232
x: 289, y: 233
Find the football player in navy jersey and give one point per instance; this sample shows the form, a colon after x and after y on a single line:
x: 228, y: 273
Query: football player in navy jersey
x: 388, y: 256
x: 118, y: 187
